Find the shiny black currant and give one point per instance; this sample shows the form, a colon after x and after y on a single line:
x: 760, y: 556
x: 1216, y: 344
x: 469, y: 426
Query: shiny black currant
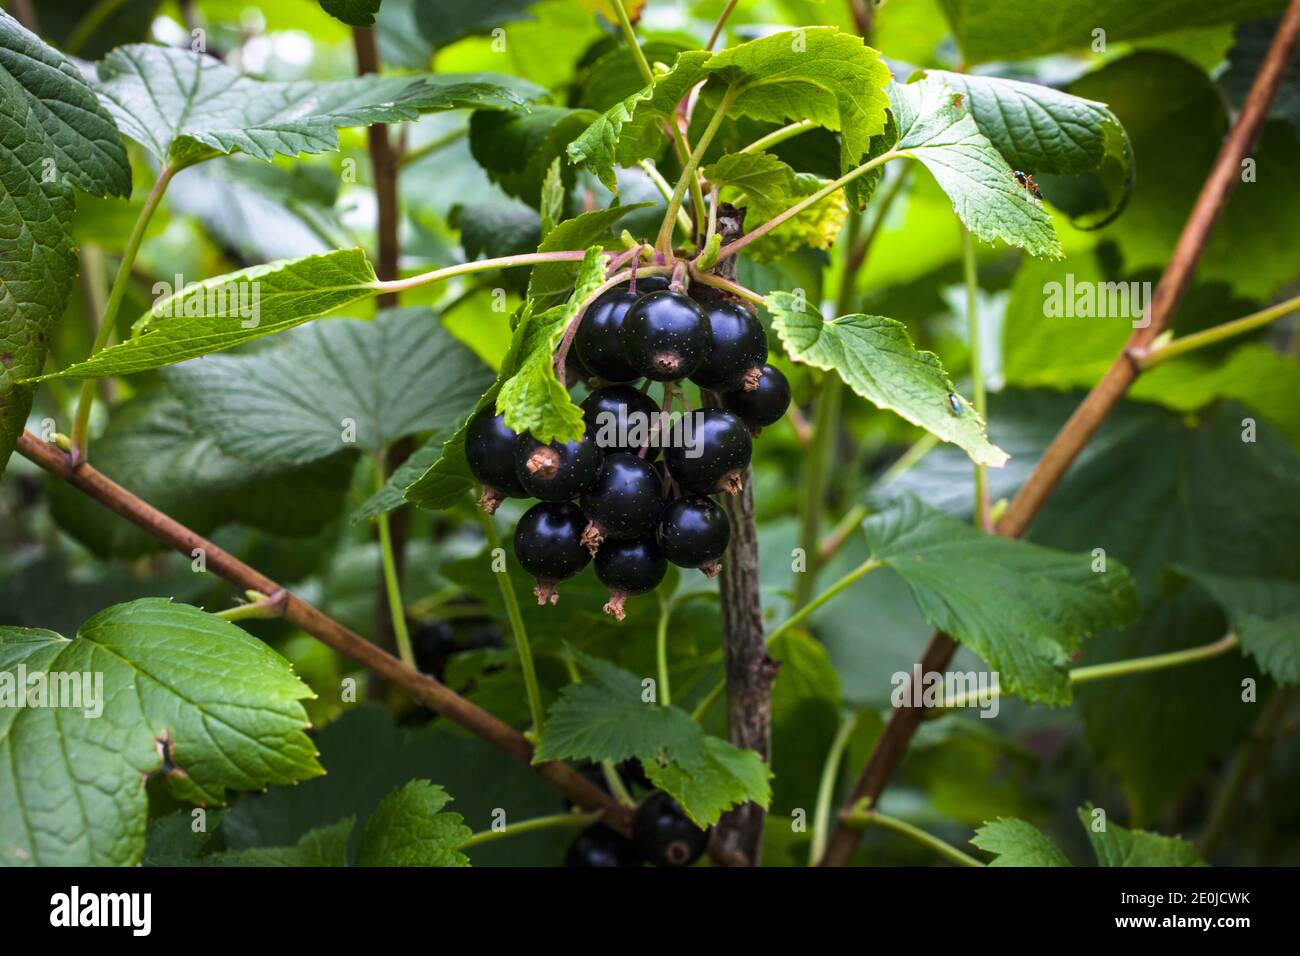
x: 694, y: 533
x: 600, y: 846
x: 597, y: 342
x: 763, y: 405
x: 714, y: 456
x: 490, y: 449
x: 648, y: 284
x: 616, y: 415
x: 738, y: 350
x: 548, y: 545
x: 665, y: 336
x: 626, y: 501
x: 630, y: 566
x: 663, y: 833
x: 557, y: 472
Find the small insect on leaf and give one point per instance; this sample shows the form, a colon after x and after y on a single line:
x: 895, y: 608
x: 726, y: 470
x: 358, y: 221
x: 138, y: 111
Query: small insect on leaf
x: 1026, y: 181
x: 954, y: 404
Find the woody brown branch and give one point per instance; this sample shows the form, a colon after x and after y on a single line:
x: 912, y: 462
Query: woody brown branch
x: 422, y: 688
x: 1099, y: 402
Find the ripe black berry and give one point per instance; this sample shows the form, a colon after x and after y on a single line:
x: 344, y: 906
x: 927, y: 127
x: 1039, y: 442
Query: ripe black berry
x: 765, y: 404
x: 648, y: 284
x: 600, y: 846
x: 597, y: 341
x: 694, y: 533
x: 632, y: 772
x: 716, y: 456
x: 490, y: 449
x: 629, y: 567
x: 663, y: 833
x: 557, y: 472
x: 738, y: 352
x: 626, y: 501
x: 615, y: 410
x: 665, y: 336
x: 548, y: 545
x: 432, y: 643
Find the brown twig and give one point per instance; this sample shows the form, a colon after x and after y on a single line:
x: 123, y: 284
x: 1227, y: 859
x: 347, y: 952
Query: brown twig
x: 383, y: 170
x: 1099, y: 402
x: 421, y: 687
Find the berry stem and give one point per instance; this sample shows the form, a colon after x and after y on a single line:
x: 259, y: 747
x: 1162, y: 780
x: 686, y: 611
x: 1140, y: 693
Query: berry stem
x: 516, y: 626
x: 717, y: 27
x: 861, y: 817
x: 731, y: 248
x: 81, y: 418
x: 665, y: 190
x: 726, y: 285
x: 616, y: 786
x: 392, y: 584
x: 530, y: 826
x: 861, y: 571
x: 664, y: 242
x: 478, y: 265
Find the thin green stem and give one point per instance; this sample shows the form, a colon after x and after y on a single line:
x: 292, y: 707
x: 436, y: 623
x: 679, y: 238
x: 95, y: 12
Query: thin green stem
x: 779, y: 136
x: 478, y: 265
x: 616, y: 786
x: 661, y: 650
x: 258, y: 607
x: 717, y: 27
x: 531, y: 826
x: 734, y: 247
x: 703, y: 707
x: 433, y: 145
x: 629, y: 34
x: 718, y: 282
x: 81, y: 420
x: 1135, y: 665
x: 666, y: 190
x: 90, y: 24
x: 826, y: 788
x: 1219, y: 333
x: 970, y: 276
x: 851, y: 521
x: 516, y: 626
x: 861, y: 571
x: 392, y: 584
x: 664, y: 241
x: 861, y: 819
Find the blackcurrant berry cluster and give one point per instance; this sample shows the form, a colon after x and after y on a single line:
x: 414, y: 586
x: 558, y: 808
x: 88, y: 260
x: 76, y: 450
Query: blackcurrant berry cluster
x: 605, y: 497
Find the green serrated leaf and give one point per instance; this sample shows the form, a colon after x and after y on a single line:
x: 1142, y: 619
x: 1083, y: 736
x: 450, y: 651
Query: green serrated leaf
x: 604, y: 718
x: 533, y: 400
x: 393, y: 495
x: 1018, y: 843
x: 518, y: 147
x: 1118, y: 846
x: 1019, y: 29
x: 83, y: 142
x: 1266, y: 615
x: 946, y: 139
x: 1022, y: 607
x: 766, y: 187
x: 334, y: 385
x: 180, y: 689
x: 185, y: 107
x: 875, y: 357
x: 633, y: 130
x: 553, y: 195
x: 409, y: 828
x: 1043, y: 130
x: 231, y: 309
x: 815, y: 73
x: 37, y: 260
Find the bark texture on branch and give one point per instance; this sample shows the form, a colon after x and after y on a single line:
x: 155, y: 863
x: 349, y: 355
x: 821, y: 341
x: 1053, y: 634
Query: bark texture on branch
x: 1104, y: 396
x: 738, y: 837
x: 421, y: 687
